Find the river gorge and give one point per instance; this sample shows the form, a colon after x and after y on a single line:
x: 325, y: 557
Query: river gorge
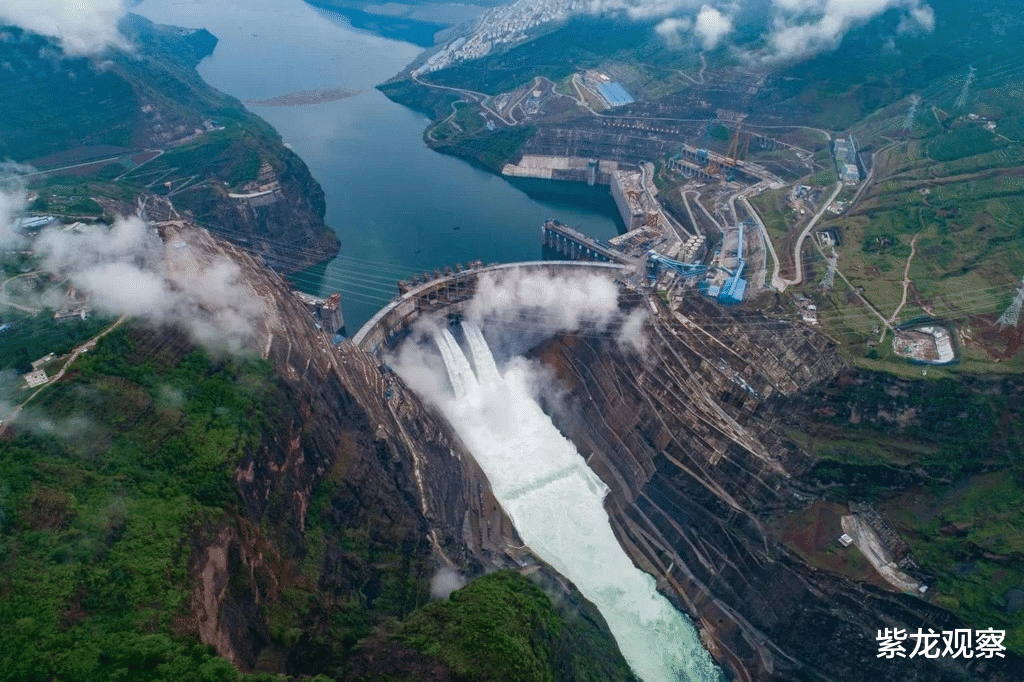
x: 398, y: 207
x: 684, y: 456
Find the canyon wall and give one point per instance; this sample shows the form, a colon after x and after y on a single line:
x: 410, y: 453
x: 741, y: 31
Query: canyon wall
x: 685, y: 436
x: 352, y: 500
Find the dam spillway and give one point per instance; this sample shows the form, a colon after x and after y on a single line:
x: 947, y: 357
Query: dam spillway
x: 556, y: 504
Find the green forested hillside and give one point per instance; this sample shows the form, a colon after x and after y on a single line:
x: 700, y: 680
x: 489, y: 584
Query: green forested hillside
x: 111, y: 488
x: 103, y: 484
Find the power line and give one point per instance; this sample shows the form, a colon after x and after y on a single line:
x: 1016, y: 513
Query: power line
x: 368, y: 288
x: 962, y: 99
x: 829, y: 280
x: 1011, y: 317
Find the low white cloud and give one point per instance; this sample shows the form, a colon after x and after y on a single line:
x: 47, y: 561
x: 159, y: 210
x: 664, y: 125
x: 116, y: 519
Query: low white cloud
x: 126, y: 269
x: 671, y: 28
x: 657, y: 8
x: 805, y: 27
x: 13, y: 200
x: 641, y: 9
x: 794, y: 29
x: 631, y: 331
x: 444, y: 582
x: 516, y: 309
x: 547, y: 302
x: 80, y: 27
x: 918, y: 19
x: 711, y: 26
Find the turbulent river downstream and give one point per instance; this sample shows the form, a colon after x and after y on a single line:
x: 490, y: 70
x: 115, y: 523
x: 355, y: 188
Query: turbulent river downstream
x: 556, y: 504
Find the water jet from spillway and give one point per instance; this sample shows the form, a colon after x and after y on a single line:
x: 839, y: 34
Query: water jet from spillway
x: 556, y: 504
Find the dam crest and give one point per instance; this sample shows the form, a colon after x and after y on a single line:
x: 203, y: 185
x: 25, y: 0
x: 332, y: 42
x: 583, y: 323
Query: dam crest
x: 449, y: 294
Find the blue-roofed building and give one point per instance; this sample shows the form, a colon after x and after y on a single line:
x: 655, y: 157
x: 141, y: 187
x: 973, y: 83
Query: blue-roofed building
x: 733, y: 291
x: 614, y: 95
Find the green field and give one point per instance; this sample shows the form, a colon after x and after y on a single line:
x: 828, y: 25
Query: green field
x: 958, y: 189
x: 773, y: 207
x: 939, y: 458
x: 962, y: 535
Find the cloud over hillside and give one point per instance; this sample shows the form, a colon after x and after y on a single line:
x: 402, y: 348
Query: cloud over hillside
x: 126, y: 269
x: 793, y: 29
x: 80, y: 28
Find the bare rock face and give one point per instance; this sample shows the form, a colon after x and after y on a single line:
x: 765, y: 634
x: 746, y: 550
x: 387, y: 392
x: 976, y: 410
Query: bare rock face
x: 353, y: 498
x: 284, y: 225
x: 356, y: 493
x: 684, y: 435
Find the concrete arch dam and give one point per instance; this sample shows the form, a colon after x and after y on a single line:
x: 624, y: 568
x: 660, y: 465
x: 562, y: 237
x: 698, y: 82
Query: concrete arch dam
x: 544, y: 484
x: 449, y: 294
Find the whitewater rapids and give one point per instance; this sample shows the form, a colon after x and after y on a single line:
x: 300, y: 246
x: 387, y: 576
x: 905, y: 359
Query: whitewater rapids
x: 556, y: 504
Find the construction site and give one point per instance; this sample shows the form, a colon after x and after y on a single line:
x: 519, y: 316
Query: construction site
x: 708, y: 236
x: 928, y: 343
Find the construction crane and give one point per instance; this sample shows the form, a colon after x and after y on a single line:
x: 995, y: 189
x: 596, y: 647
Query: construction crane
x: 734, y: 146
x: 733, y: 155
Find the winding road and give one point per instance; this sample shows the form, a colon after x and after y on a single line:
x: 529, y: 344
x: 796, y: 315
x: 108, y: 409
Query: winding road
x: 780, y: 283
x: 906, y: 278
x: 72, y: 356
x: 767, y: 240
x: 478, y: 97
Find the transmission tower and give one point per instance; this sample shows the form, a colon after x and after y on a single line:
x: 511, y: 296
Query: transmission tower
x: 909, y: 120
x: 962, y: 99
x: 1011, y: 317
x: 830, y: 275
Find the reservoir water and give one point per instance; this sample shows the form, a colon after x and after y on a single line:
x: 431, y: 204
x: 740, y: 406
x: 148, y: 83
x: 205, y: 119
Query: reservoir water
x: 398, y: 207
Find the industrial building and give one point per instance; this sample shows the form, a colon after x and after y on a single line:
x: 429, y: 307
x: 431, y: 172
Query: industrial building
x: 35, y: 378
x: 627, y: 190
x: 33, y: 223
x: 846, y: 159
x: 930, y: 344
x: 733, y: 288
x: 613, y: 94
x: 575, y: 245
x: 326, y: 312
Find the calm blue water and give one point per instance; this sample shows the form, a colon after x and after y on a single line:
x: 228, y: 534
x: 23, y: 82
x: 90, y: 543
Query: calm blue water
x: 397, y: 206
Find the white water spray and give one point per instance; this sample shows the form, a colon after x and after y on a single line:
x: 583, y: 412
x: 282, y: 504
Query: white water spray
x: 556, y: 504
x: 459, y: 371
x: 483, y: 361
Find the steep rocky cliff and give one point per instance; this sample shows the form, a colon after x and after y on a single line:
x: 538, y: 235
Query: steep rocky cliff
x: 686, y: 437
x: 351, y: 501
x: 284, y: 508
x: 226, y: 167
